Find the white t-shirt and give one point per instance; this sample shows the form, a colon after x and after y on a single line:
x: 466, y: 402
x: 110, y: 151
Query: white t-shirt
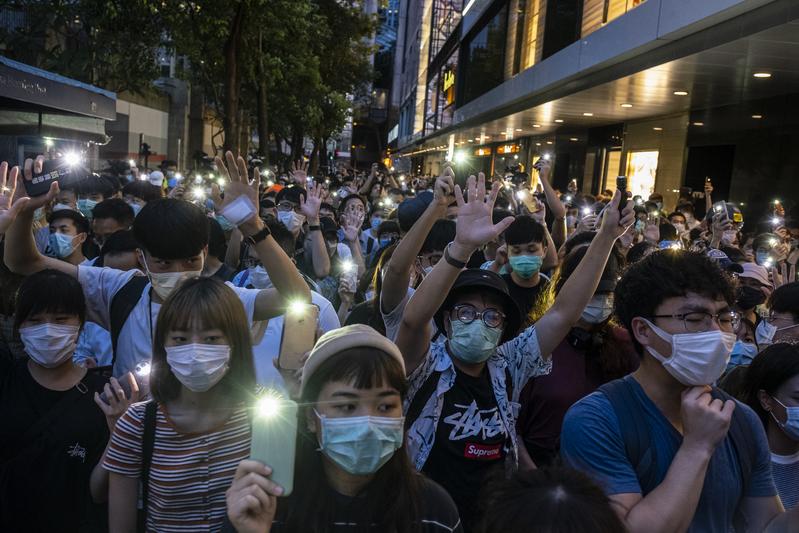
x: 268, y: 348
x: 135, y: 339
x: 94, y: 342
x: 393, y: 319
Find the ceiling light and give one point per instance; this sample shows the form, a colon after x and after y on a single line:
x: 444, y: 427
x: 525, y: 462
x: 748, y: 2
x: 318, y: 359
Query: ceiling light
x: 757, y: 116
x: 762, y: 74
x: 549, y: 142
x: 573, y: 139
x: 657, y: 128
x: 471, y: 140
x: 518, y: 129
x: 536, y: 125
x: 538, y: 144
x: 680, y: 93
x: 699, y: 123
x: 504, y: 133
x: 588, y: 114
x: 626, y: 105
x: 559, y: 120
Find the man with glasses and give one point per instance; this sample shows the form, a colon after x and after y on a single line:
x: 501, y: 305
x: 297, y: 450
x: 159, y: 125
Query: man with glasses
x: 782, y: 323
x: 672, y: 452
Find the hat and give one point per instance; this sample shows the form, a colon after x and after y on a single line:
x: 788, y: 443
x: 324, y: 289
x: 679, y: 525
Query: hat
x: 336, y: 341
x: 724, y: 261
x: 756, y: 272
x: 411, y: 209
x: 477, y: 280
x: 156, y: 178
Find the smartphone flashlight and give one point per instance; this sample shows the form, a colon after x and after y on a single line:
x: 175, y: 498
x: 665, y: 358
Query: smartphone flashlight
x: 178, y: 176
x: 655, y: 213
x: 270, y: 183
x: 775, y: 221
x: 72, y: 159
x: 768, y: 263
x: 267, y: 406
x: 347, y: 266
x: 143, y: 369
x: 547, y: 156
x: 221, y: 182
x: 521, y: 195
x: 296, y: 308
x: 568, y: 198
x: 776, y: 202
x: 132, y: 163
x: 587, y: 211
x: 773, y: 242
x: 198, y: 179
x: 199, y: 193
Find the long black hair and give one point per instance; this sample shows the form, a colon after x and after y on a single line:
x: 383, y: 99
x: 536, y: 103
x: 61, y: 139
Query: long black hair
x: 391, y: 499
x: 769, y: 370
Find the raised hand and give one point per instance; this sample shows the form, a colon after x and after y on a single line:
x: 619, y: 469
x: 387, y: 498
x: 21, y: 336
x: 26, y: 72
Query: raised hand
x: 445, y: 187
x: 587, y: 223
x: 9, y: 206
x: 540, y: 215
x: 115, y: 402
x: 216, y: 196
x: 614, y: 224
x: 351, y: 226
x: 30, y: 168
x: 474, y: 226
x: 252, y: 498
x: 178, y: 192
x: 310, y: 205
x: 652, y: 228
x: 234, y: 172
x: 299, y: 173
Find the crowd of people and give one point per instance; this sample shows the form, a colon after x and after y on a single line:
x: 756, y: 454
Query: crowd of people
x: 484, y: 355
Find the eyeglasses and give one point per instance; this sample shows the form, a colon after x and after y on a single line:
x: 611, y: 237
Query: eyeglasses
x: 700, y: 321
x: 285, y: 206
x: 468, y: 313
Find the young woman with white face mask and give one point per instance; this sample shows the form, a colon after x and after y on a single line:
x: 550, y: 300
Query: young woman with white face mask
x: 202, y: 376
x: 351, y: 465
x: 52, y: 430
x: 772, y: 390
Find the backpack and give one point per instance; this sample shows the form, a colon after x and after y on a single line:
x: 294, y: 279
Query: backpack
x: 148, y: 443
x: 638, y: 441
x: 122, y: 305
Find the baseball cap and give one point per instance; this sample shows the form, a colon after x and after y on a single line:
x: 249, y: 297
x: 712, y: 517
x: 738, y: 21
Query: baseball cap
x: 156, y: 178
x: 338, y: 340
x: 756, y: 272
x: 411, y: 209
x: 724, y: 261
x: 478, y: 280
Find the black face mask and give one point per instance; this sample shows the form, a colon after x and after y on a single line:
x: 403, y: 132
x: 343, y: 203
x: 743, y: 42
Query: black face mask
x: 749, y: 297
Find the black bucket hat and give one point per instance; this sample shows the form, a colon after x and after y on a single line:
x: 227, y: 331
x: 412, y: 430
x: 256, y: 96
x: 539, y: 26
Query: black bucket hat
x: 477, y: 280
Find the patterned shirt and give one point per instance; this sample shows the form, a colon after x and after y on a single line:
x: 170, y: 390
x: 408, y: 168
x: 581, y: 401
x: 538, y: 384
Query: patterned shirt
x: 785, y: 469
x: 189, y: 472
x: 522, y: 358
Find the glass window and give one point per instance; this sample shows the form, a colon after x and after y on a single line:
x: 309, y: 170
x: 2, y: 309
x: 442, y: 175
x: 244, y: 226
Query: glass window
x: 642, y: 168
x: 597, y: 13
x: 484, y: 58
x: 446, y: 16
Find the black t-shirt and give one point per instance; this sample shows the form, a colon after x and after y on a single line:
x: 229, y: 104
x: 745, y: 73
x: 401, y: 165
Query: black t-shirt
x: 471, y: 441
x: 437, y: 512
x: 525, y: 297
x: 225, y: 273
x: 364, y: 313
x: 44, y: 482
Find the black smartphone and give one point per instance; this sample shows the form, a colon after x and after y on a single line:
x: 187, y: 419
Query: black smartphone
x: 621, y: 185
x: 52, y: 170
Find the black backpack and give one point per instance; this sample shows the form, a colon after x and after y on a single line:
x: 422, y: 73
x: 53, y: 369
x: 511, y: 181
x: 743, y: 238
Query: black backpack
x: 122, y: 305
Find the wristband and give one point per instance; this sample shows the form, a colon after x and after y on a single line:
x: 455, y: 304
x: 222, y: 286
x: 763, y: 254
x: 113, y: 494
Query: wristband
x: 314, y: 228
x: 451, y: 260
x: 258, y: 237
x: 239, y: 210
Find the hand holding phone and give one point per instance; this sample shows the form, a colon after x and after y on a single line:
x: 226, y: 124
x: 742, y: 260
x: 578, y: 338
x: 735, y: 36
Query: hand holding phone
x: 621, y: 185
x: 274, y: 437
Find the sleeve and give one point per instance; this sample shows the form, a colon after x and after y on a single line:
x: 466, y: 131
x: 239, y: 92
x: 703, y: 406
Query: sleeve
x: 592, y: 443
x: 393, y: 318
x: 344, y: 251
x: 99, y: 287
x: 328, y: 318
x: 440, y: 508
x: 124, y: 454
x: 761, y: 481
x: 523, y: 355
x: 247, y: 297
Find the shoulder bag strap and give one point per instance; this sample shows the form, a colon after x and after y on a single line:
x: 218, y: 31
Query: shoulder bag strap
x: 427, y: 389
x: 148, y: 443
x: 122, y: 305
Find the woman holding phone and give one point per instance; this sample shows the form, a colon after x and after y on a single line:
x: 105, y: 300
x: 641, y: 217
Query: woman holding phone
x: 201, y: 380
x: 351, y: 466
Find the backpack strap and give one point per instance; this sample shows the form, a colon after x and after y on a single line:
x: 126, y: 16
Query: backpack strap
x: 741, y: 435
x: 427, y: 389
x: 634, y: 432
x: 148, y: 443
x: 122, y: 305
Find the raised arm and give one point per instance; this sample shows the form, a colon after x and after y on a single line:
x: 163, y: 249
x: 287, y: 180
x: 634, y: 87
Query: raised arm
x: 397, y: 275
x: 553, y: 327
x: 21, y: 255
x: 474, y: 229
x: 556, y: 207
x: 367, y: 186
x: 288, y: 283
x: 315, y: 241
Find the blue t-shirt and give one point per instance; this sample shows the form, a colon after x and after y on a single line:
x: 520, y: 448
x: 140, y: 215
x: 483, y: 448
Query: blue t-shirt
x: 591, y: 441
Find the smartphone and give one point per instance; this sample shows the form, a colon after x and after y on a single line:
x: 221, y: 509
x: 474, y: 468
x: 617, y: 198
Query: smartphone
x: 299, y: 335
x: 621, y: 185
x: 142, y: 376
x: 52, y: 170
x: 274, y: 438
x: 721, y: 207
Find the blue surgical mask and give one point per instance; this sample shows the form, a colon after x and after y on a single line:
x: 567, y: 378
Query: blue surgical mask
x: 61, y: 245
x: 761, y: 257
x: 473, y: 342
x: 136, y: 208
x: 172, y: 182
x: 376, y: 221
x: 360, y: 445
x: 791, y: 425
x: 384, y: 242
x: 526, y: 266
x: 640, y: 225
x: 742, y: 354
x: 225, y: 223
x: 85, y: 206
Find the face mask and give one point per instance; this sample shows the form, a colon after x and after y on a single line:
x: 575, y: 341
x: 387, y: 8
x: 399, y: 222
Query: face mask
x: 660, y: 205
x: 61, y: 245
x: 791, y: 425
x: 385, y: 242
x: 761, y: 257
x: 85, y: 206
x: 291, y: 220
x: 764, y: 333
x: 136, y: 208
x: 696, y: 358
x: 332, y: 247
x: 360, y: 445
x: 474, y: 342
x: 343, y: 193
x: 376, y: 223
x: 640, y: 225
x: 172, y: 183
x: 526, y: 266
x: 225, y: 223
x: 742, y: 354
x: 49, y: 345
x: 166, y: 282
x: 749, y: 297
x: 259, y: 278
x: 599, y: 309
x: 198, y: 366
x: 61, y: 207
x: 680, y: 227
x: 728, y: 237
x: 571, y: 221
x: 170, y: 174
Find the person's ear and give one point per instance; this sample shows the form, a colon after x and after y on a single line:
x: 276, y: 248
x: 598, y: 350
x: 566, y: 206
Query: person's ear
x: 311, y: 421
x: 765, y: 400
x: 642, y: 332
x: 82, y: 238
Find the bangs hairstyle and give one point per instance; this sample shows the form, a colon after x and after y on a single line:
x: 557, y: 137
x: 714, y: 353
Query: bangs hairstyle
x: 199, y: 304
x: 49, y: 291
x: 171, y: 229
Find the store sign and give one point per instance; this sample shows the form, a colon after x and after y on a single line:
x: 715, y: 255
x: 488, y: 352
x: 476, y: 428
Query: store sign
x: 449, y: 79
x: 482, y: 152
x: 508, y: 149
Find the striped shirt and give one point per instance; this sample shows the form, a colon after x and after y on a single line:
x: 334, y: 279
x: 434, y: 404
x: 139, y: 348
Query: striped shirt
x: 189, y: 472
x: 785, y: 469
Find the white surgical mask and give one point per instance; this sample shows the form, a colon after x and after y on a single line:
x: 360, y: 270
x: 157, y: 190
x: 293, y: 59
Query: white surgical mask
x: 166, y: 282
x: 198, y: 366
x: 598, y: 309
x: 696, y: 358
x: 728, y: 237
x: 49, y: 344
x: 291, y: 220
x: 61, y: 207
x: 680, y: 227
